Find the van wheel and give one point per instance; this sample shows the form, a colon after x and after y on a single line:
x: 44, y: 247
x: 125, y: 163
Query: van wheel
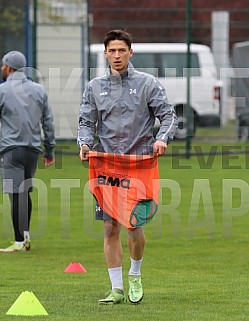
x: 243, y: 134
x: 181, y: 132
x: 243, y: 127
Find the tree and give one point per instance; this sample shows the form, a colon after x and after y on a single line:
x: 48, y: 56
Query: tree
x: 12, y: 25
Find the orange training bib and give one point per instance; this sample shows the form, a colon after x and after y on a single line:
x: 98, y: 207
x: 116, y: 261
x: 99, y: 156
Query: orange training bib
x: 125, y: 186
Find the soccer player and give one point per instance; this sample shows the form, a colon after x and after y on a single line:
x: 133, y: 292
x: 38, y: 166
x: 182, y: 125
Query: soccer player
x: 24, y: 109
x: 123, y: 105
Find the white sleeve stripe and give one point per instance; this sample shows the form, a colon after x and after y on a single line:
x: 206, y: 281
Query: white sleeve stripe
x: 171, y: 125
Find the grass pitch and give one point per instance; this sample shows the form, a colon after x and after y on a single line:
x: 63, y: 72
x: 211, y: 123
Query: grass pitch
x: 196, y: 257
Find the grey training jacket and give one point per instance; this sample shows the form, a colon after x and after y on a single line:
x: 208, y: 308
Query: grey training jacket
x: 123, y: 109
x: 24, y: 109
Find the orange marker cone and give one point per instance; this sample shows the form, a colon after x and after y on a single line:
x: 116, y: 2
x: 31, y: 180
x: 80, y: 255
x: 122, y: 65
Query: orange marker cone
x: 75, y: 267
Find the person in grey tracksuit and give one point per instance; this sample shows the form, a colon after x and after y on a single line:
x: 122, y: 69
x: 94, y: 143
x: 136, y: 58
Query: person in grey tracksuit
x: 24, y: 111
x: 121, y: 108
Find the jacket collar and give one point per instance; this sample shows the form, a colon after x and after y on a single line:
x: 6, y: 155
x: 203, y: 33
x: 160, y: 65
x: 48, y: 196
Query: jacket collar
x: 119, y: 78
x: 17, y: 76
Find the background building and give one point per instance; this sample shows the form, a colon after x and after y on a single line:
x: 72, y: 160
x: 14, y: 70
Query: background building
x: 165, y: 20
x: 148, y: 21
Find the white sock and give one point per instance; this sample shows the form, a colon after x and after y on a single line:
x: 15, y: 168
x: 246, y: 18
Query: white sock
x: 116, y: 278
x: 135, y: 267
x: 19, y: 243
x: 26, y: 235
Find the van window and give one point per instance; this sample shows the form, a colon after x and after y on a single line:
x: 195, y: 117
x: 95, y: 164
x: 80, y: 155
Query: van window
x: 166, y: 64
x: 147, y: 62
x: 93, y: 60
x: 93, y: 65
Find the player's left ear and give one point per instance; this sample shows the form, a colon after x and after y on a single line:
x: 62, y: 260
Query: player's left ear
x: 131, y: 52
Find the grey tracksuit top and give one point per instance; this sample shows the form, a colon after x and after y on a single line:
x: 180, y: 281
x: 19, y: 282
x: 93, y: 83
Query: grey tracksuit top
x: 23, y: 107
x: 123, y: 109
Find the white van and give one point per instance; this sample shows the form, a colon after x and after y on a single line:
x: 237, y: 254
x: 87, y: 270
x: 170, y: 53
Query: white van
x: 168, y: 62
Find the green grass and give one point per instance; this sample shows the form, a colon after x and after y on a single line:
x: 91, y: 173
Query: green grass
x: 196, y: 258
x: 227, y: 131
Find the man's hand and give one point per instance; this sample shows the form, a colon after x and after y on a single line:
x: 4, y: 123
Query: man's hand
x: 159, y: 147
x: 48, y: 161
x: 84, y: 149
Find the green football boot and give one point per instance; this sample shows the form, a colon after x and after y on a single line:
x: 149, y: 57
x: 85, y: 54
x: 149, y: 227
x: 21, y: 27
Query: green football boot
x: 114, y: 296
x: 136, y: 293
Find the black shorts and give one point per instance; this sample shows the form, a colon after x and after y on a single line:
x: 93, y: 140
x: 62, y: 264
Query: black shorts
x: 100, y: 214
x: 18, y: 165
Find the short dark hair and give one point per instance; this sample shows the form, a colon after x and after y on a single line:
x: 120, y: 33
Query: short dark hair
x: 118, y: 34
